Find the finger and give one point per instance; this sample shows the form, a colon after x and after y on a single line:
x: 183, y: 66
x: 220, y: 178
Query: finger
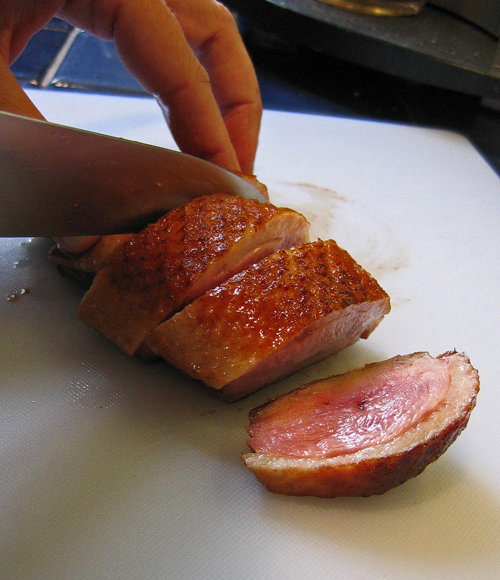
x: 212, y: 32
x: 12, y: 97
x: 76, y: 244
x: 19, y: 21
x: 152, y: 45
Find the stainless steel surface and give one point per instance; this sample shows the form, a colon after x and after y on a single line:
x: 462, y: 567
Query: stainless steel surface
x: 58, y: 181
x: 484, y: 13
x: 380, y: 7
x: 434, y: 47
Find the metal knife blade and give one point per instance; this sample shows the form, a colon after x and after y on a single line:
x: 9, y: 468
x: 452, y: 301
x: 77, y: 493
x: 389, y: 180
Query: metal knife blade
x: 60, y: 181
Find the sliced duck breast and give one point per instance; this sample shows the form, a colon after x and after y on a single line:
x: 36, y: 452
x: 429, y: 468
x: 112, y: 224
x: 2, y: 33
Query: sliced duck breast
x: 291, y: 309
x: 252, y: 179
x: 84, y: 267
x: 170, y: 263
x: 363, y: 432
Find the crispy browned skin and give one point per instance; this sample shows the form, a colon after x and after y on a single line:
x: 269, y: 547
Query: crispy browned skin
x: 83, y: 267
x: 375, y: 471
x: 256, y: 183
x: 291, y: 309
x: 171, y: 262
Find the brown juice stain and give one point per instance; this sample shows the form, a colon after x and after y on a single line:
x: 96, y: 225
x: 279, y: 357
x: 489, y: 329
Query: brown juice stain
x: 383, y: 254
x: 324, y: 192
x: 388, y: 266
x: 321, y: 211
x: 325, y: 208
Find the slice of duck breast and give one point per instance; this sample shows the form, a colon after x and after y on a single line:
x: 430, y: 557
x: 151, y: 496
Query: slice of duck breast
x: 84, y: 267
x: 363, y: 432
x: 191, y: 249
x: 252, y: 179
x: 288, y: 311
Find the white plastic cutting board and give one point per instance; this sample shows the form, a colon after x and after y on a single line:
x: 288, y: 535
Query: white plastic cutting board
x: 114, y: 469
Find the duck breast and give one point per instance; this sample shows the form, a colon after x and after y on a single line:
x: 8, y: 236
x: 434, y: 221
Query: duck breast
x: 191, y: 249
x: 84, y: 267
x: 363, y: 432
x: 289, y: 310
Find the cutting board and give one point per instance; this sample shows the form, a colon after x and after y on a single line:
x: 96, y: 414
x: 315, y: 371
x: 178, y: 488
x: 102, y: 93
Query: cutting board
x: 111, y: 468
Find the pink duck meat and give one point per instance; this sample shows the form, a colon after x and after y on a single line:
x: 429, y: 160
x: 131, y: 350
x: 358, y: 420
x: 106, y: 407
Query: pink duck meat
x: 363, y: 432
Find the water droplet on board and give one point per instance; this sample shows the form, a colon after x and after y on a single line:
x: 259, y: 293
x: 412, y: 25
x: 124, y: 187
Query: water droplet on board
x: 17, y: 295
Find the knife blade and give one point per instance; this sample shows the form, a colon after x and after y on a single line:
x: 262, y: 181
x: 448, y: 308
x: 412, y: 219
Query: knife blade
x: 60, y: 181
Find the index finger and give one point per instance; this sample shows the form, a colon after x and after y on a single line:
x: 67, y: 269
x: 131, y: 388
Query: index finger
x: 212, y: 33
x: 154, y: 48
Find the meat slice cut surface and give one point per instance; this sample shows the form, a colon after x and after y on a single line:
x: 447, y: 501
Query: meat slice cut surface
x: 363, y: 432
x: 348, y: 413
x: 170, y: 263
x: 286, y: 312
x: 84, y: 267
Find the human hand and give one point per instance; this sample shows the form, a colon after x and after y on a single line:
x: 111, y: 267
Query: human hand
x: 188, y: 53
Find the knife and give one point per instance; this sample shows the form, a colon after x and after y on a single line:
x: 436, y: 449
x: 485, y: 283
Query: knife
x: 60, y: 181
